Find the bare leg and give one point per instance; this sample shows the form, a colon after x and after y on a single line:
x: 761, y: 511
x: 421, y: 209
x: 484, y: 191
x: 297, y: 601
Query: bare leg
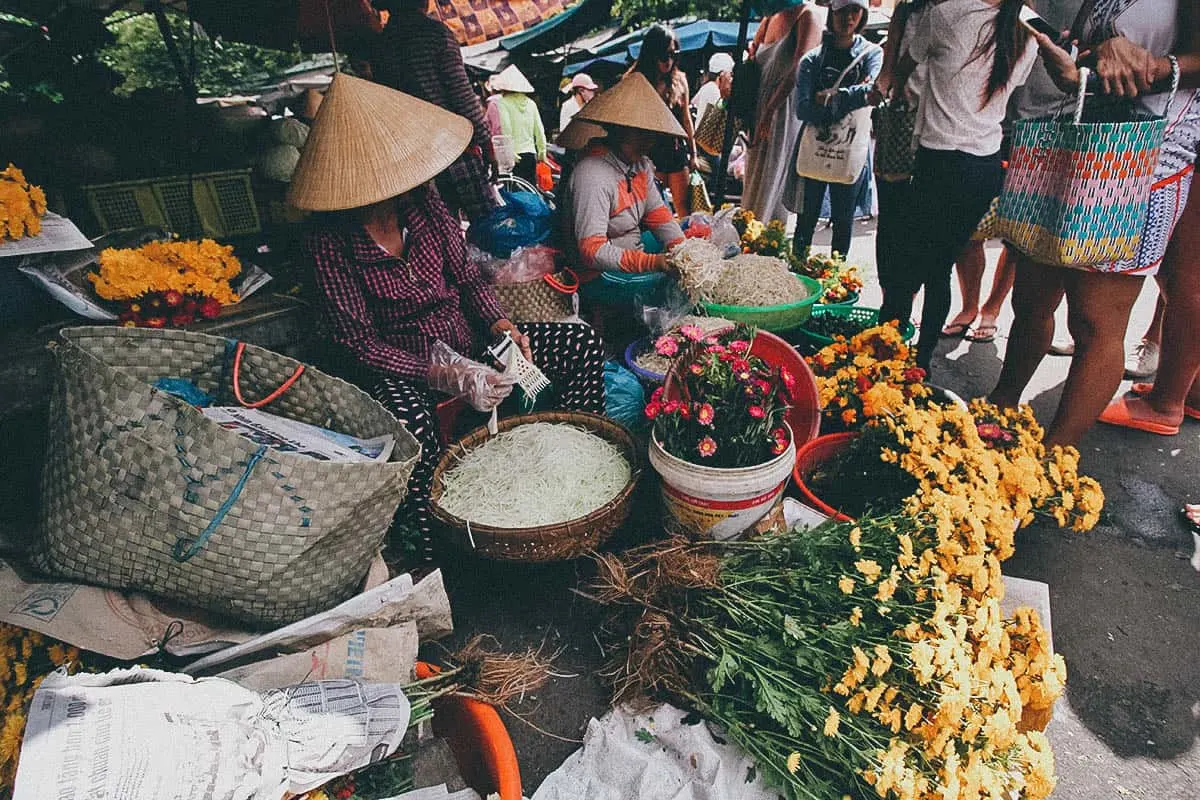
x: 1002, y: 284
x: 1178, y: 380
x: 1154, y: 331
x: 1037, y: 291
x: 1098, y: 308
x: 969, y: 266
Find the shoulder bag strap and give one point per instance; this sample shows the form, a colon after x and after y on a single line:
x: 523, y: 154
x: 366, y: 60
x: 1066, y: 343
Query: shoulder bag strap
x: 838, y: 83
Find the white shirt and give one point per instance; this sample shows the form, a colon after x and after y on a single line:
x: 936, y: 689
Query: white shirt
x: 569, y: 107
x: 704, y: 97
x: 951, y: 114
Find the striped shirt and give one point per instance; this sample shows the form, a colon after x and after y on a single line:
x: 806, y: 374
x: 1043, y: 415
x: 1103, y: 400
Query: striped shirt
x: 611, y: 203
x: 386, y: 311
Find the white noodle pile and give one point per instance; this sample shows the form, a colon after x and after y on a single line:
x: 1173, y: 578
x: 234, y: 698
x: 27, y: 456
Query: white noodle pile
x: 700, y: 263
x: 753, y: 280
x: 537, y: 474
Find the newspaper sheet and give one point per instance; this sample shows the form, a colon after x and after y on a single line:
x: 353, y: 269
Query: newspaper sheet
x: 290, y: 436
x: 128, y: 625
x: 148, y: 735
x: 375, y: 655
x: 386, y: 606
x: 58, y: 234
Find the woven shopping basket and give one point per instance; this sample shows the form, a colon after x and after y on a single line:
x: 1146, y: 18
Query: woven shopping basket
x: 142, y: 491
x: 1077, y: 193
x: 550, y: 298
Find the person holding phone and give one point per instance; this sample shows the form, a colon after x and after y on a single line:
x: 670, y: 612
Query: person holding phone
x: 1134, y: 47
x: 974, y: 53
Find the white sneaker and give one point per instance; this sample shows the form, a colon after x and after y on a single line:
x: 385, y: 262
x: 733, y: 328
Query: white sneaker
x: 1142, y: 361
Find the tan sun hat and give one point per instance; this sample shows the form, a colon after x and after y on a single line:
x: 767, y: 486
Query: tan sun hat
x: 578, y: 133
x: 511, y: 80
x: 632, y: 103
x: 369, y: 143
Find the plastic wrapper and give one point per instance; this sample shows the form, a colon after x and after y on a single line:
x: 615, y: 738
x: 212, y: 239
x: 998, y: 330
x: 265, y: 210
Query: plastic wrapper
x: 723, y: 232
x: 526, y: 264
x: 624, y: 397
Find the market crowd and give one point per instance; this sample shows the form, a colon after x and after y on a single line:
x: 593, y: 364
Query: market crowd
x: 923, y: 122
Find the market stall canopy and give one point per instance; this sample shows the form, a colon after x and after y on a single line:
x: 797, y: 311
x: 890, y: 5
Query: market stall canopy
x: 280, y: 23
x: 698, y: 35
x: 556, y: 32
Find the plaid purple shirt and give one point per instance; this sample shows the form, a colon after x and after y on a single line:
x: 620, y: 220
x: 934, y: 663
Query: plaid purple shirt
x: 386, y: 311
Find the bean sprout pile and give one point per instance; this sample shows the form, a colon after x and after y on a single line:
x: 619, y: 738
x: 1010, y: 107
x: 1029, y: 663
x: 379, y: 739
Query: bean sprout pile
x: 537, y: 474
x: 753, y: 280
x: 700, y: 264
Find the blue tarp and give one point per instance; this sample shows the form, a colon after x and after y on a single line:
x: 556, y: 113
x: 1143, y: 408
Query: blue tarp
x: 698, y: 35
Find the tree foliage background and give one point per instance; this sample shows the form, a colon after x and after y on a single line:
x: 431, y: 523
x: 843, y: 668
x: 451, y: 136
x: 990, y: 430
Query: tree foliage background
x: 140, y: 56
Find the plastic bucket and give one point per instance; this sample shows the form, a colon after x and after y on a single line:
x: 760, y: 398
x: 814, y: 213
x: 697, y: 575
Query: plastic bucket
x: 719, y: 503
x: 811, y: 456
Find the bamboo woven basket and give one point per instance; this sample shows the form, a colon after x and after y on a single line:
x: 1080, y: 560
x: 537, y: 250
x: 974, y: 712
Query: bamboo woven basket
x: 142, y: 491
x: 549, y: 542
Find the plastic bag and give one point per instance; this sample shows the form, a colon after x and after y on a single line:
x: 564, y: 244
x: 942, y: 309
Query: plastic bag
x: 527, y: 264
x: 523, y: 220
x: 723, y: 232
x: 624, y: 397
x: 676, y: 306
x: 697, y: 225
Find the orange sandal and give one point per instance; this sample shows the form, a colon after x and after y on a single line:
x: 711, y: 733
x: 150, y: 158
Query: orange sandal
x: 1117, y: 413
x: 1143, y: 389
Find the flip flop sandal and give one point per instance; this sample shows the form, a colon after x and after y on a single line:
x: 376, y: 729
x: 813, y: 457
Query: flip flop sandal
x: 1143, y: 389
x: 1118, y: 414
x: 982, y: 334
x: 957, y: 330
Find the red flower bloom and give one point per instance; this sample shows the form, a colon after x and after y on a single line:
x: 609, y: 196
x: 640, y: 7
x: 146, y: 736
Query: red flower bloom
x: 210, y: 308
x: 705, y: 414
x: 914, y: 374
x: 758, y: 412
x: 741, y: 365
x: 779, y: 446
x: 863, y: 383
x: 989, y: 430
x: 739, y: 346
x: 684, y: 411
x: 172, y: 298
x: 653, y: 409
x: 707, y: 447
x: 714, y: 348
x: 762, y: 385
x: 656, y: 394
x: 155, y: 322
x: 671, y: 407
x: 789, y: 380
x: 666, y: 346
x: 697, y: 368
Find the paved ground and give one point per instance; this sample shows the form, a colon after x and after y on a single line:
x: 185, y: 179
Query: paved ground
x: 1126, y: 604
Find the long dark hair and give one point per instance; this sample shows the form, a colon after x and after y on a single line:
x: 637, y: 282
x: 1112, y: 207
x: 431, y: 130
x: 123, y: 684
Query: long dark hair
x: 1005, y: 39
x: 656, y: 44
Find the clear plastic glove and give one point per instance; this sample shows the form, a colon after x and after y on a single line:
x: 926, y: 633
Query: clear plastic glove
x: 480, y: 385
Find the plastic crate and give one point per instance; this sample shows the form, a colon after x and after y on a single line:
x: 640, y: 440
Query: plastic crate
x: 868, y: 317
x: 215, y: 204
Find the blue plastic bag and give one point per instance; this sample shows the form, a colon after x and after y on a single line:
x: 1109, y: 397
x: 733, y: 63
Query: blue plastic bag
x: 624, y: 397
x: 525, y: 219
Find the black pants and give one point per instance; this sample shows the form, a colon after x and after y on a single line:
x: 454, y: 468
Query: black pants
x: 572, y: 357
x: 891, y: 230
x: 841, y: 214
x: 951, y: 191
x: 526, y: 167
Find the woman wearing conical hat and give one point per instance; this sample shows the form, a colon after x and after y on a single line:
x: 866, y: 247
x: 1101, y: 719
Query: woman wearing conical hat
x: 613, y: 196
x: 409, y: 314
x: 520, y: 120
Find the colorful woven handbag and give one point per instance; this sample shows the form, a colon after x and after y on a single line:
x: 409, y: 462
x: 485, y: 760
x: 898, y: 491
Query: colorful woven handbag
x: 1077, y: 193
x: 550, y: 298
x: 710, y: 131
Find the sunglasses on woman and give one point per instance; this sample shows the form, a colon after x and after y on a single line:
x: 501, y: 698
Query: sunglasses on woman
x: 670, y: 55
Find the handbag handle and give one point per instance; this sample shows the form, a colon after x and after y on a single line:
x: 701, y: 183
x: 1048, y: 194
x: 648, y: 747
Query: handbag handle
x: 568, y: 286
x: 275, y: 395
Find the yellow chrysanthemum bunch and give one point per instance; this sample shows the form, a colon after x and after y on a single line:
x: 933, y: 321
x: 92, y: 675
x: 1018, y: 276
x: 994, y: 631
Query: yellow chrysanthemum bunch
x: 26, y: 657
x: 22, y: 205
x: 869, y: 376
x: 188, y: 267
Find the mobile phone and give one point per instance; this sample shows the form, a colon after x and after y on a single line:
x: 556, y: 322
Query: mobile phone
x: 1030, y: 19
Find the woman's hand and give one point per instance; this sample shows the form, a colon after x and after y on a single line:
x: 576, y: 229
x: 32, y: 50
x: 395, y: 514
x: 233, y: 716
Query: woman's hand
x: 1059, y: 64
x: 1125, y: 69
x: 521, y: 339
x: 825, y: 97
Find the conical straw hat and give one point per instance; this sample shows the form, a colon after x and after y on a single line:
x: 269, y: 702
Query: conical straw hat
x: 578, y: 133
x: 370, y: 143
x: 632, y: 103
x: 511, y: 80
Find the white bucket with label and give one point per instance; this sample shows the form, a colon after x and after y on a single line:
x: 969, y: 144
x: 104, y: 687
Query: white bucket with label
x: 720, y: 503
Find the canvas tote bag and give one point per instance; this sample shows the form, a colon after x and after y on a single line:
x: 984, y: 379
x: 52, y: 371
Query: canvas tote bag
x: 836, y: 153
